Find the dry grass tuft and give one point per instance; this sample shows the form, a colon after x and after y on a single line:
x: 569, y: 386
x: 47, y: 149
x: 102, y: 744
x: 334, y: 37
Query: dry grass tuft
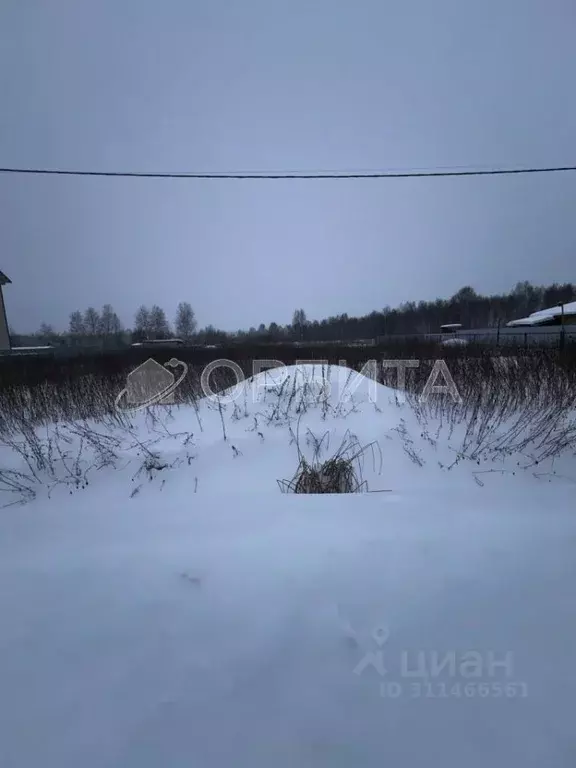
x: 333, y: 476
x: 341, y: 473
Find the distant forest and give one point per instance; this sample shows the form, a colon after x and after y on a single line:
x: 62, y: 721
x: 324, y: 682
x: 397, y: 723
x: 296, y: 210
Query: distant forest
x: 471, y: 309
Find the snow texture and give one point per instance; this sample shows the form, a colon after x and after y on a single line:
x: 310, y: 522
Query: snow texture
x: 209, y: 620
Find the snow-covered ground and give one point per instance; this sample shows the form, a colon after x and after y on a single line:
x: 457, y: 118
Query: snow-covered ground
x: 180, y: 610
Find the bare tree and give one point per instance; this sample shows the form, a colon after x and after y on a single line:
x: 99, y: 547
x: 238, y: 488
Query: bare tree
x: 142, y: 321
x: 46, y: 333
x: 91, y: 321
x: 109, y: 321
x: 115, y: 324
x: 159, y: 326
x: 299, y: 322
x: 76, y: 324
x: 185, y: 320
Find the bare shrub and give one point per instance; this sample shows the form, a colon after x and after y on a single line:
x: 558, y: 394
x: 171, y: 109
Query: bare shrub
x: 340, y: 473
x: 523, y: 405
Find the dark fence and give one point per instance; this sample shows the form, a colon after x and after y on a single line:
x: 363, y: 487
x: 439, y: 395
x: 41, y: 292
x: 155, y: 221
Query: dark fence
x: 64, y: 366
x: 520, y: 336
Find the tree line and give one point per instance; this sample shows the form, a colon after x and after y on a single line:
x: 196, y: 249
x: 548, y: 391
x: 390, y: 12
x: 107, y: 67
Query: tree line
x: 92, y: 326
x: 466, y: 306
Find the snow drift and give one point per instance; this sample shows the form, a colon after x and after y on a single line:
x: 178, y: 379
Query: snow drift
x: 175, y: 608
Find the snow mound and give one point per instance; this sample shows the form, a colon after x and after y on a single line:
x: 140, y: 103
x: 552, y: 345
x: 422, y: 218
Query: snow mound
x: 163, y: 603
x: 255, y: 435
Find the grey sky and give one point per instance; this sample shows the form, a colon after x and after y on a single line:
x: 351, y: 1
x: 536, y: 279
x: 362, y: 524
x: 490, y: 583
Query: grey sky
x: 182, y: 85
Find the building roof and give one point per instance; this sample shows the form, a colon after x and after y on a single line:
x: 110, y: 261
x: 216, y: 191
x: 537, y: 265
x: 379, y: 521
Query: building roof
x: 545, y: 314
x: 4, y: 279
x: 157, y: 342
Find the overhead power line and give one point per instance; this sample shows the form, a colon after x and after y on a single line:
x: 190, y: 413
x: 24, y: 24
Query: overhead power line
x: 316, y: 175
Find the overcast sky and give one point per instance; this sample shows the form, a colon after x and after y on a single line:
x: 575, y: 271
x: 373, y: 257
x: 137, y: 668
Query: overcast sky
x: 234, y: 85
